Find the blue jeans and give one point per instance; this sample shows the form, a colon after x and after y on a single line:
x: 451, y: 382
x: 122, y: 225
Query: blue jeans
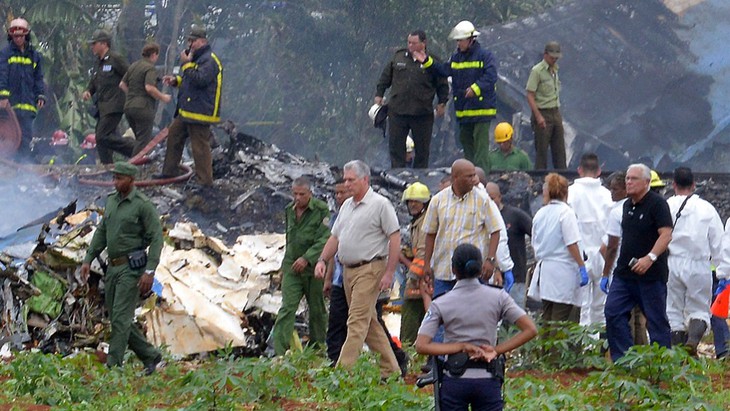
x: 441, y: 287
x: 623, y: 295
x: 483, y: 394
x: 720, y: 330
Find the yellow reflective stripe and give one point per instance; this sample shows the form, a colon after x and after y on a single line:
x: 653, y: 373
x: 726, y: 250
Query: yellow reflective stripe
x: 428, y: 63
x: 477, y: 90
x: 476, y: 113
x: 179, y: 81
x: 466, y: 65
x: 219, y: 86
x: 189, y: 65
x: 5, y: 93
x: 20, y: 60
x: 199, y: 117
x: 27, y: 107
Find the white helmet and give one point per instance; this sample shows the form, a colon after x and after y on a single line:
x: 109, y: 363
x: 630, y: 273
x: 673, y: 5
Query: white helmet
x: 373, y: 112
x: 19, y: 25
x: 463, y: 30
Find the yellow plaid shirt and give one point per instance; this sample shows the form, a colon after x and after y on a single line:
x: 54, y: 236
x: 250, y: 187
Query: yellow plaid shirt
x: 457, y: 220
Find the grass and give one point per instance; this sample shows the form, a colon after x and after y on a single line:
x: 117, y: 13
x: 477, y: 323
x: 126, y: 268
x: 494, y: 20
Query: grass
x: 647, y: 378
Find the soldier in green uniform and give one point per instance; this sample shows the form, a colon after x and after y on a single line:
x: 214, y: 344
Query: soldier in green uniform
x: 108, y: 97
x: 130, y: 224
x: 507, y: 157
x: 307, y: 230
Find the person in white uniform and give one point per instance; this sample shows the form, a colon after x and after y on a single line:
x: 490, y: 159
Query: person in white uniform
x: 591, y: 202
x: 696, y: 239
x: 560, y: 270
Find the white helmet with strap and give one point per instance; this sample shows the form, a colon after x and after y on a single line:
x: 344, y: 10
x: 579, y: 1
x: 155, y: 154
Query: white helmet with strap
x: 18, y: 26
x: 463, y: 30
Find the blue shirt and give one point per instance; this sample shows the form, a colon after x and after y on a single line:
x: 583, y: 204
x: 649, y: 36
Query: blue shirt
x: 337, y: 273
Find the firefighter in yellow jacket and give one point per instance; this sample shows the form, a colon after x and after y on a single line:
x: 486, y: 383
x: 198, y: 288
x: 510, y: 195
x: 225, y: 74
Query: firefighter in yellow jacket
x: 198, y: 106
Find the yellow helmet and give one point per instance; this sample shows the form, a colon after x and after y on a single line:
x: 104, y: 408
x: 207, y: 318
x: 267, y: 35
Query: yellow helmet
x: 463, y: 30
x: 418, y: 192
x: 655, y: 180
x: 503, y: 132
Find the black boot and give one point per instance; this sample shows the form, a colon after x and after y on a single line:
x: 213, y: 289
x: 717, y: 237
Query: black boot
x: 695, y: 333
x: 678, y: 338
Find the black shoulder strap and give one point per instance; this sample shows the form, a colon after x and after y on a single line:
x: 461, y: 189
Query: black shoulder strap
x: 679, y: 212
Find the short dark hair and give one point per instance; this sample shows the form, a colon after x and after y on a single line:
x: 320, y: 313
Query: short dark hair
x: 420, y: 33
x: 150, y: 49
x: 618, y: 176
x: 683, y: 177
x: 466, y: 261
x: 589, y: 162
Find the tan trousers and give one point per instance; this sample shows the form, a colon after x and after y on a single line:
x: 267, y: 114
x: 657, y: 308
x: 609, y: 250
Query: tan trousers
x: 199, y: 134
x: 361, y: 290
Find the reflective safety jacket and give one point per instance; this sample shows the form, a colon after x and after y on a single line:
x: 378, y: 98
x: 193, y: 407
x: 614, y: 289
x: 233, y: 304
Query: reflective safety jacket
x: 199, y: 98
x: 21, y: 77
x: 476, y: 69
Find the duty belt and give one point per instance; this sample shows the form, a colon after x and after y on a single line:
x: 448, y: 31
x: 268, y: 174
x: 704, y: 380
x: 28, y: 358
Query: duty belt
x: 118, y: 261
x: 362, y: 263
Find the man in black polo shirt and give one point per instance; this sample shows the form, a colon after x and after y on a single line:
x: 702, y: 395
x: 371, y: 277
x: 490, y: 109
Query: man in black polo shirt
x: 640, y: 277
x: 519, y: 224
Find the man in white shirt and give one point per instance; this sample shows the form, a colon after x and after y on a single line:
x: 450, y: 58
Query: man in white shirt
x: 696, y: 239
x: 591, y: 203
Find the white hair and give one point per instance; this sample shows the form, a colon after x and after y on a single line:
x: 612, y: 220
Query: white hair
x: 645, y: 171
x: 359, y: 167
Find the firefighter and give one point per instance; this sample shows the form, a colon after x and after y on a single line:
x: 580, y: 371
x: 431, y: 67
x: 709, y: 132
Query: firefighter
x: 416, y: 197
x: 21, y: 81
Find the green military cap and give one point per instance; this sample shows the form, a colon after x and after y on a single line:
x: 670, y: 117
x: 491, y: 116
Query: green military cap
x: 125, y: 168
x: 552, y: 48
x: 101, y: 35
x: 196, y: 32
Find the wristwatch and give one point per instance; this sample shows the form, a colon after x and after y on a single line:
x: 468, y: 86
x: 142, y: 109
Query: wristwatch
x: 321, y: 260
x: 491, y: 260
x: 150, y: 272
x: 652, y: 257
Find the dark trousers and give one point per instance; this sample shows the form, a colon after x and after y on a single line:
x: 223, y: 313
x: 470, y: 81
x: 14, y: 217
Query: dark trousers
x: 552, y: 136
x: 199, y: 135
x: 108, y: 139
x: 141, y: 120
x: 25, y: 120
x: 337, y: 323
x: 421, y: 128
x: 552, y: 311
x: 122, y: 296
x: 720, y: 330
x: 483, y: 394
x: 623, y: 295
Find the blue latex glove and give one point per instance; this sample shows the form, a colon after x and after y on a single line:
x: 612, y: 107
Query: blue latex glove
x: 604, y: 284
x: 721, y: 286
x: 583, y: 276
x: 509, y: 280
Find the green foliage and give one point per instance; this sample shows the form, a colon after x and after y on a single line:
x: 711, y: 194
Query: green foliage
x: 647, y: 378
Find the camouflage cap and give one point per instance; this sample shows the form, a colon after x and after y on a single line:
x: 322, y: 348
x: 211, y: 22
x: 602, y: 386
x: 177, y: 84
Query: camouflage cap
x: 125, y: 168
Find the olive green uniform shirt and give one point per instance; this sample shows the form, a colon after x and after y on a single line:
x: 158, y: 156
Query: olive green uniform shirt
x: 545, y: 84
x: 140, y: 74
x: 516, y: 159
x: 307, y: 236
x: 129, y: 224
x: 104, y: 85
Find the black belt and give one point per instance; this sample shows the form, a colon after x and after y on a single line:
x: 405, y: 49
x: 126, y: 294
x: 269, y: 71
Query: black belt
x: 362, y: 263
x: 118, y: 261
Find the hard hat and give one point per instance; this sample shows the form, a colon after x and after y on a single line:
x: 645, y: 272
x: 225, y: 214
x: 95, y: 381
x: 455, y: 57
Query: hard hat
x: 59, y: 138
x: 378, y: 113
x: 463, y: 30
x: 410, y: 144
x: 89, y: 141
x: 503, y: 132
x: 655, y: 180
x: 418, y: 192
x: 18, y: 26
